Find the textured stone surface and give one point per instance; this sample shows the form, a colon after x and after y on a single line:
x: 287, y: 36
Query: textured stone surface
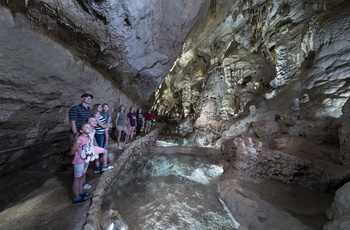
x: 253, y: 213
x: 339, y: 213
x: 342, y: 223
x: 341, y: 204
x: 132, y: 43
x: 344, y: 134
x: 267, y: 129
x: 277, y: 56
x: 252, y: 160
x: 40, y: 80
x: 297, y: 160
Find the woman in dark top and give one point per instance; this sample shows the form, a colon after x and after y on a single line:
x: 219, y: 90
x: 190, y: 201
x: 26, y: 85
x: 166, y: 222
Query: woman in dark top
x: 132, y: 122
x: 139, y: 120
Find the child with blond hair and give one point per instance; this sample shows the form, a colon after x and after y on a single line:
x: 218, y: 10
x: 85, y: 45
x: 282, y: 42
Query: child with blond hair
x: 83, y: 143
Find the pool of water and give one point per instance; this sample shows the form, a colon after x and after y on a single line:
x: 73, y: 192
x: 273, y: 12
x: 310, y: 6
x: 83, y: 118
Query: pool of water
x: 169, y: 192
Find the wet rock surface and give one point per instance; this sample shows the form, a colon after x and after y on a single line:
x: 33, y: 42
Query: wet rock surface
x: 308, y: 166
x: 297, y: 160
x: 263, y: 204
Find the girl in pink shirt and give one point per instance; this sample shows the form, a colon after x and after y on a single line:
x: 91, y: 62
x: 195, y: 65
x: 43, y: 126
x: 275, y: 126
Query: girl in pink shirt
x: 82, y: 143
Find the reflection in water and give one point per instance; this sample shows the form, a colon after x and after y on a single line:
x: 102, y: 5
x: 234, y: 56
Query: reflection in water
x: 169, y: 192
x: 177, y: 142
x: 172, y: 136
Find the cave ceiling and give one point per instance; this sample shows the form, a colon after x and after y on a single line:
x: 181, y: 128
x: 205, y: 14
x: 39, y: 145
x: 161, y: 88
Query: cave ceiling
x: 131, y: 43
x: 134, y: 44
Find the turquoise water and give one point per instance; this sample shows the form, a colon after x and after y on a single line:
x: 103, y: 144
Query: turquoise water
x: 169, y: 192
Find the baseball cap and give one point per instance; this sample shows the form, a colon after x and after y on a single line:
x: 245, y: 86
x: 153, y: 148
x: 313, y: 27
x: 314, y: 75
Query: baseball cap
x: 87, y: 95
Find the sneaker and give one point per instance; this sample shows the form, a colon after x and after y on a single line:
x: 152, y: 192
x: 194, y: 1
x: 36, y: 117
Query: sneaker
x: 97, y: 170
x: 86, y: 186
x: 80, y: 200
x: 105, y: 168
x: 126, y: 145
x: 106, y: 146
x: 120, y: 148
x: 83, y: 194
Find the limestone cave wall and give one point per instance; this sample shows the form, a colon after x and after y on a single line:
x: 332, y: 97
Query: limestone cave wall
x: 40, y: 81
x: 256, y: 57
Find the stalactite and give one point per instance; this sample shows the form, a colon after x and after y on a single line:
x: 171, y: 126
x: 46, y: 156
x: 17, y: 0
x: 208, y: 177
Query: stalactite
x: 212, y: 9
x: 324, y: 4
x: 186, y: 96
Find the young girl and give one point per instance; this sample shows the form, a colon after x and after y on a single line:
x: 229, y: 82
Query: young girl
x: 108, y: 116
x: 83, y: 142
x: 101, y: 125
x: 101, y: 151
x: 121, y: 123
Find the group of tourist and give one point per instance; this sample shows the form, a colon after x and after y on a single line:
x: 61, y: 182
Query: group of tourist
x: 128, y: 122
x: 90, y: 133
